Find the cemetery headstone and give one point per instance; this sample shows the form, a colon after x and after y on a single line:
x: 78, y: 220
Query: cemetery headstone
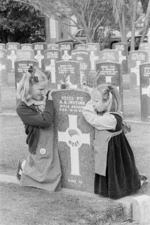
x: 145, y: 90
x: 81, y: 47
x: 26, y: 46
x: 122, y: 49
x: 145, y: 47
x: 83, y: 57
x: 109, y: 72
x: 2, y: 46
x: 11, y: 57
x: 141, y: 209
x: 66, y: 48
x: 74, y: 140
x: 51, y: 56
x: 109, y: 55
x: 3, y: 72
x: 21, y: 67
x: 135, y: 59
x: 39, y: 48
x: 25, y: 54
x: 52, y: 46
x: 68, y: 71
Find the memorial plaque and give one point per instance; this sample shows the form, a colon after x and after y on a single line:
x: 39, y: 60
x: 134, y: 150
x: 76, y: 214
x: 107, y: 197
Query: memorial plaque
x: 3, y: 73
x: 83, y: 57
x: 122, y: 49
x: 135, y: 59
x: 74, y: 140
x: 68, y: 71
x: 39, y: 48
x: 25, y: 54
x: 21, y: 67
x: 145, y: 90
x: 109, y: 55
x: 26, y: 46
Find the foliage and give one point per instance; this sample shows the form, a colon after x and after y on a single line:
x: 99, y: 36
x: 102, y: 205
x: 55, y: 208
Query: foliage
x: 20, y: 22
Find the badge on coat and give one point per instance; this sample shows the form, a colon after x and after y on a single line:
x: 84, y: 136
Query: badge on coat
x: 42, y: 151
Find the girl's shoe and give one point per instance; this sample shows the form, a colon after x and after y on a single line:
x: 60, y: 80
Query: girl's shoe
x: 143, y: 179
x: 19, y: 169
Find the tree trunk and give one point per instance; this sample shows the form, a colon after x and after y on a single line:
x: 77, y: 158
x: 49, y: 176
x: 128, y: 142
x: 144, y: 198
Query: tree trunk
x: 147, y: 20
x: 134, y: 7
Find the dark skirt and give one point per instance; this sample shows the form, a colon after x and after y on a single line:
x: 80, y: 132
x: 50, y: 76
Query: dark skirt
x: 122, y: 177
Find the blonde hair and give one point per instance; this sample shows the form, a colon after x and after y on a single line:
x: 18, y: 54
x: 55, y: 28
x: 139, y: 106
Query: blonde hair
x: 113, y: 94
x: 34, y: 75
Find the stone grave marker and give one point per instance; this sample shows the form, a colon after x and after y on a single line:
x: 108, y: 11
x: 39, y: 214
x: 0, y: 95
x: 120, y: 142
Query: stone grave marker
x: 66, y: 48
x: 2, y: 46
x: 109, y: 72
x: 26, y: 46
x: 109, y: 55
x: 93, y: 47
x: 122, y: 49
x: 51, y: 56
x: 25, y: 54
x: 81, y: 47
x: 83, y: 57
x: 135, y: 59
x: 3, y: 71
x: 21, y: 67
x: 141, y: 209
x: 39, y: 48
x: 11, y: 57
x: 74, y: 140
x: 68, y: 71
x: 52, y: 46
x: 145, y: 90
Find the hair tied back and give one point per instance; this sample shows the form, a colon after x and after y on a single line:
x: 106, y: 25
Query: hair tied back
x: 33, y: 78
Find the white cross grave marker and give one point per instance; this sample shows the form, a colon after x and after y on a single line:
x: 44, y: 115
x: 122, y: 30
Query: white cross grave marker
x: 12, y: 57
x: 39, y: 58
x: 74, y: 139
x: 121, y: 57
x: 66, y: 56
x: 137, y: 71
x: 52, y: 69
x: 2, y: 67
x: 93, y: 58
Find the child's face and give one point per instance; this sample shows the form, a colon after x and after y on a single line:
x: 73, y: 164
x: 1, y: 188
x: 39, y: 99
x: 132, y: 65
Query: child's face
x: 38, y: 90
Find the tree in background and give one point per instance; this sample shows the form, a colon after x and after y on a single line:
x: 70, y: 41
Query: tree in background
x: 90, y: 14
x: 20, y: 23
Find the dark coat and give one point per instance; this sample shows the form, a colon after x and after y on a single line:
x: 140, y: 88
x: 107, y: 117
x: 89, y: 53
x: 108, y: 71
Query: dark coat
x: 33, y: 120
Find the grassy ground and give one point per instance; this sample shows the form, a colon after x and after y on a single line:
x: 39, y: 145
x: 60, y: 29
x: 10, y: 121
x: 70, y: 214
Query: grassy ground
x: 30, y: 206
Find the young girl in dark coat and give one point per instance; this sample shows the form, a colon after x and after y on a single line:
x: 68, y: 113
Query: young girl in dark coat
x: 41, y: 169
x: 116, y: 174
